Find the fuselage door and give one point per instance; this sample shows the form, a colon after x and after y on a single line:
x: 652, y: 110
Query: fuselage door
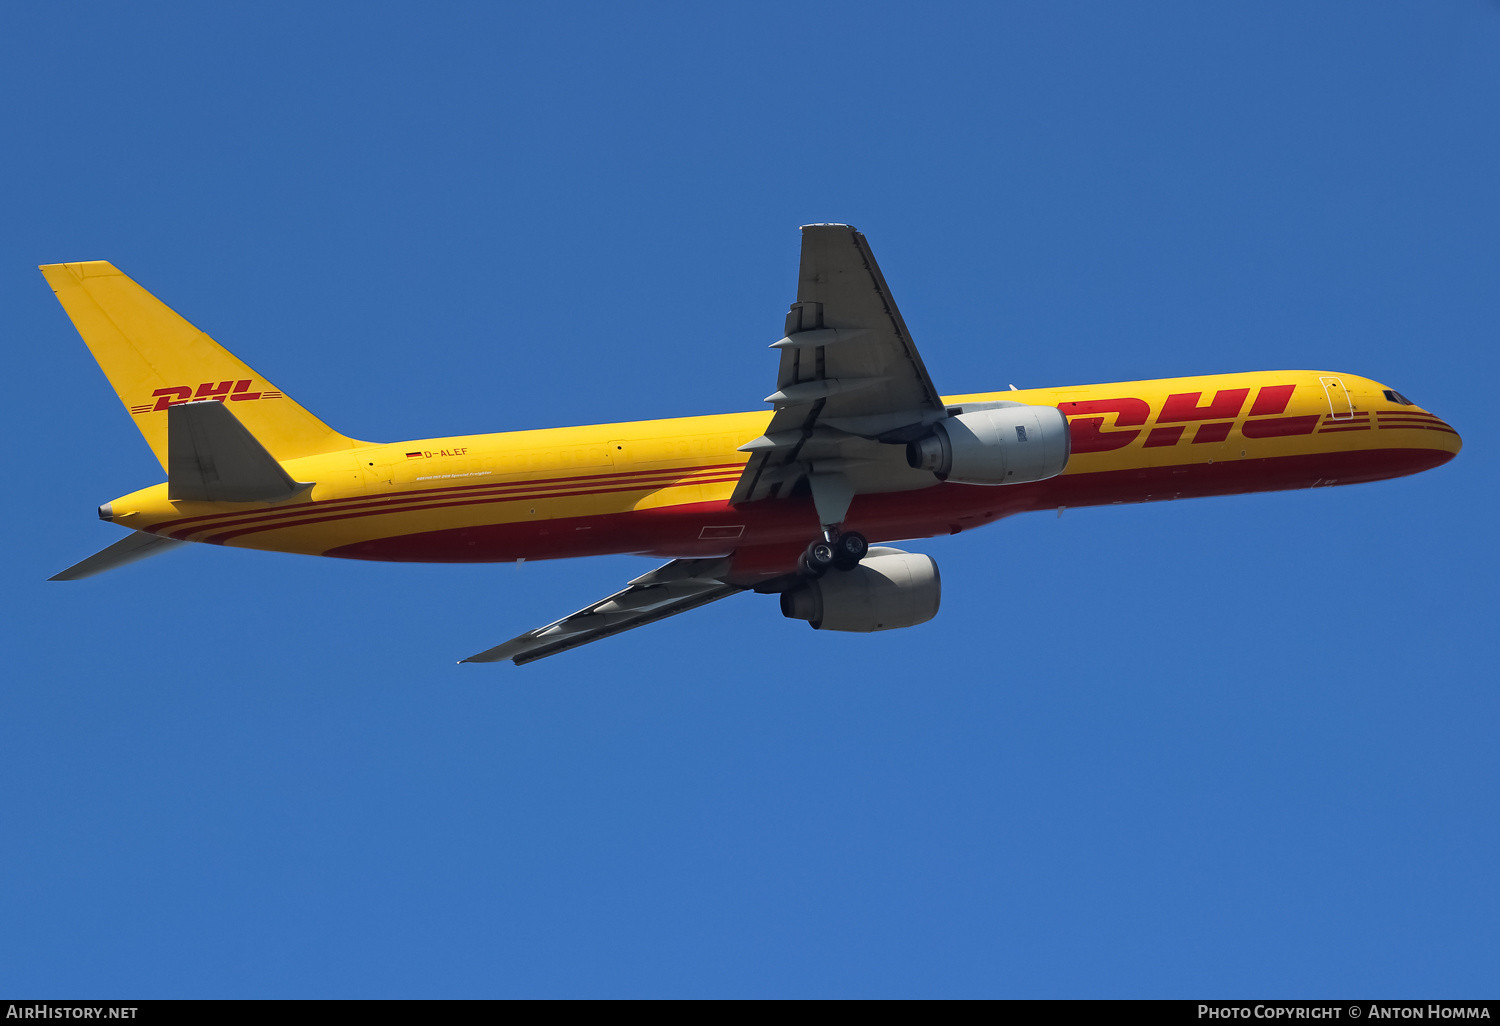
x: 1340, y: 406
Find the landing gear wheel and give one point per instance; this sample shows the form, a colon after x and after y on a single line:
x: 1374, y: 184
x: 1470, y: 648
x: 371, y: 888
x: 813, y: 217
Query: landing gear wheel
x: 848, y: 550
x: 820, y: 555
x: 852, y: 546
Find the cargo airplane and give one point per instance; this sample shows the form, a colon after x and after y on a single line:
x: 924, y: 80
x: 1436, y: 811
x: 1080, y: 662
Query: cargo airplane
x: 857, y: 450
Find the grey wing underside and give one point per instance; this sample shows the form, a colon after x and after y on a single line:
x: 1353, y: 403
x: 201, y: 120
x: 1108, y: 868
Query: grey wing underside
x: 850, y: 379
x: 674, y: 588
x: 850, y: 384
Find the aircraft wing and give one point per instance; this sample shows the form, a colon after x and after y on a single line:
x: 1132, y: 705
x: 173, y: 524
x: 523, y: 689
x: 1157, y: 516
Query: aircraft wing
x: 849, y: 373
x: 678, y: 586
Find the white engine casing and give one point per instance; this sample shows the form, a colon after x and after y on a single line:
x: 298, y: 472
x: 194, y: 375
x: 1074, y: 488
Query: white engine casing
x: 1011, y: 445
x: 889, y: 589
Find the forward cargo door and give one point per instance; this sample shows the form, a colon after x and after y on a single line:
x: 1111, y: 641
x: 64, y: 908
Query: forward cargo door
x: 1340, y: 406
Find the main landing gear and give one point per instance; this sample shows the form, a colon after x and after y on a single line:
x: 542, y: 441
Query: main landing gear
x: 836, y: 550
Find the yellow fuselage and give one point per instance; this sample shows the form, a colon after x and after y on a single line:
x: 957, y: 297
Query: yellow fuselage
x: 661, y: 487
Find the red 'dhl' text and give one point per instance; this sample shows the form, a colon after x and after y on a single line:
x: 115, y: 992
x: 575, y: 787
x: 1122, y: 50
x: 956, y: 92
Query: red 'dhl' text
x: 176, y: 395
x: 1186, y: 407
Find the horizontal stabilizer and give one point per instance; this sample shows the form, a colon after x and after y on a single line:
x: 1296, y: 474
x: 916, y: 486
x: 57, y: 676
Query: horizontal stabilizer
x: 137, y: 545
x: 212, y: 457
x: 678, y: 586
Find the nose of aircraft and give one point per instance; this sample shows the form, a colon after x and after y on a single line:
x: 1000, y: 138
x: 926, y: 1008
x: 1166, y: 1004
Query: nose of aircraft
x: 1455, y: 440
x: 1449, y: 438
x: 1428, y: 430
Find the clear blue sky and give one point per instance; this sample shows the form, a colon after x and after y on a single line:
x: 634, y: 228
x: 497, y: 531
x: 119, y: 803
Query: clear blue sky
x: 1226, y: 747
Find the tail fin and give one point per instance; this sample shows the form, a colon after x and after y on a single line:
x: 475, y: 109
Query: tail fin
x: 155, y: 360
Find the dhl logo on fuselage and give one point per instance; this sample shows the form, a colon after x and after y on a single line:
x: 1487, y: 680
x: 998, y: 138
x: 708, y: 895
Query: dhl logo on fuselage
x: 1214, y: 419
x: 176, y: 395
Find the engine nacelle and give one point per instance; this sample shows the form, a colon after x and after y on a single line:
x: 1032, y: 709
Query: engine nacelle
x: 1010, y: 445
x: 888, y: 589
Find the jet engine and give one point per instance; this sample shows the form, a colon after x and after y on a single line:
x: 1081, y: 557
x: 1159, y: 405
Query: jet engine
x: 1010, y: 445
x: 888, y: 589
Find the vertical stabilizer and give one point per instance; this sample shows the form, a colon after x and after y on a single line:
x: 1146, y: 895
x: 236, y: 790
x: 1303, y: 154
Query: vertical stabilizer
x: 156, y: 360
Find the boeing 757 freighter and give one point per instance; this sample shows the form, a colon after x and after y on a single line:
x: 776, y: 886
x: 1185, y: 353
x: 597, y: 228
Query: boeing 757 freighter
x: 857, y: 450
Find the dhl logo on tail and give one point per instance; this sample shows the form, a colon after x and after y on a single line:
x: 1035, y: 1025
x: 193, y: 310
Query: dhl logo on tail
x: 176, y: 395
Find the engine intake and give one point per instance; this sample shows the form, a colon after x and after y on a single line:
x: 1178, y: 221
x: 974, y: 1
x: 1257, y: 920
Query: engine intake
x: 1011, y: 445
x: 888, y: 589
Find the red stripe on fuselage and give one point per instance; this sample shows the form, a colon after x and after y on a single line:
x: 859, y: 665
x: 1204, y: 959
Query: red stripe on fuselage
x: 672, y: 531
x: 641, y: 479
x: 354, y: 514
x: 1416, y: 427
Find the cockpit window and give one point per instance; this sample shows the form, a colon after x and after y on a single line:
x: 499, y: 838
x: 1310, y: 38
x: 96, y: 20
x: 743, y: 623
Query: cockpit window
x: 1397, y: 397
